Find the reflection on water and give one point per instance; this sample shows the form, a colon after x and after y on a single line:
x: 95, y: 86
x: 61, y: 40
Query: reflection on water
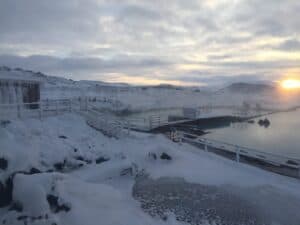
x: 280, y: 137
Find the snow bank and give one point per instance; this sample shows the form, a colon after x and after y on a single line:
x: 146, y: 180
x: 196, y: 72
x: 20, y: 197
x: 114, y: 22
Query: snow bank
x: 101, y: 193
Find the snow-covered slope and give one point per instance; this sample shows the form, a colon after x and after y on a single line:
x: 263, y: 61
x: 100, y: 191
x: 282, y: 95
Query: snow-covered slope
x: 65, y: 172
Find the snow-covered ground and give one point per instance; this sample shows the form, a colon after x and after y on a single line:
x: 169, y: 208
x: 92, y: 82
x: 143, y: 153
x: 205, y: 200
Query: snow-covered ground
x: 68, y: 173
x: 61, y: 171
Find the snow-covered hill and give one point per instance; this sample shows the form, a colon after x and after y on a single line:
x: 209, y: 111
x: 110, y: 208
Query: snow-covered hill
x: 249, y: 88
x: 139, y: 98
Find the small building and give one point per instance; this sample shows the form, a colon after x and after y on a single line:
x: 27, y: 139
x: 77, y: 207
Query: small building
x: 191, y: 113
x: 18, y: 91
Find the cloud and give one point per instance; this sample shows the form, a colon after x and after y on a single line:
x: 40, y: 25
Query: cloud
x: 156, y: 39
x: 290, y: 45
x: 77, y: 68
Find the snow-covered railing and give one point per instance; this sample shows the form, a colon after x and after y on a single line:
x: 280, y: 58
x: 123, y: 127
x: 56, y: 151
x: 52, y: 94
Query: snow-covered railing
x: 239, y: 151
x: 107, y: 124
x: 156, y: 121
x: 138, y: 123
x: 41, y: 109
x: 147, y: 123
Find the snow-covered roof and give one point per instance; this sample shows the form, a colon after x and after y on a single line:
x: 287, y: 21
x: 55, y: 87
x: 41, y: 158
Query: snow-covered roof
x: 7, y: 74
x: 20, y: 77
x: 21, y: 80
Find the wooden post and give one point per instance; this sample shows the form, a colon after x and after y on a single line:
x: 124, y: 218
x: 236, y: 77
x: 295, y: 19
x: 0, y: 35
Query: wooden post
x: 237, y: 154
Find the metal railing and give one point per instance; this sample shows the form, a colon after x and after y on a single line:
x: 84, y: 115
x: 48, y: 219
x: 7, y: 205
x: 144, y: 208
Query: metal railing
x: 107, y: 124
x: 41, y: 109
x: 239, y: 151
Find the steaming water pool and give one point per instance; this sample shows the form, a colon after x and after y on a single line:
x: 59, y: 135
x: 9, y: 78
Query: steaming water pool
x: 281, y: 137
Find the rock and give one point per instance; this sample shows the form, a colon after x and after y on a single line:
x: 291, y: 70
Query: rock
x: 291, y: 162
x: 265, y: 122
x: 34, y: 170
x: 152, y: 155
x: 132, y: 170
x: 3, y: 163
x: 127, y: 171
x: 55, y: 205
x: 60, y: 165
x: 67, y: 165
x: 4, y: 123
x: 101, y: 159
x: 165, y: 156
x: 23, y: 217
x: 62, y: 136
x: 6, y: 192
x: 80, y: 158
x: 16, y: 206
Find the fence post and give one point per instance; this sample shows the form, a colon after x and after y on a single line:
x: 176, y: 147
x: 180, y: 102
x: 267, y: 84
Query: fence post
x: 86, y: 103
x: 19, y: 110
x: 205, y: 147
x: 237, y: 154
x: 41, y: 110
x: 150, y: 122
x: 180, y: 138
x: 70, y: 105
x: 56, y: 107
x: 128, y: 127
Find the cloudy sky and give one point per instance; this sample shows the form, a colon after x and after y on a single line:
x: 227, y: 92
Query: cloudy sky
x: 189, y: 42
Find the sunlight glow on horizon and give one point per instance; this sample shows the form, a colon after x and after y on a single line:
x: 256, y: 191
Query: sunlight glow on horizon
x: 290, y: 84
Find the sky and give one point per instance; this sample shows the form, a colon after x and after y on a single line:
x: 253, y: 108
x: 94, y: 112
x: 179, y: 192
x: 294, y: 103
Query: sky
x: 180, y: 42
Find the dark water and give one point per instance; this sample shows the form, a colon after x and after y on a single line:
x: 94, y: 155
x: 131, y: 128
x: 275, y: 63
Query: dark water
x: 281, y: 137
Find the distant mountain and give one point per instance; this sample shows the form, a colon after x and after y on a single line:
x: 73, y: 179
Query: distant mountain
x: 19, y: 73
x: 248, y: 88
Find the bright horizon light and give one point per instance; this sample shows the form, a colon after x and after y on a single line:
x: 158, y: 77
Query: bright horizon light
x: 291, y: 84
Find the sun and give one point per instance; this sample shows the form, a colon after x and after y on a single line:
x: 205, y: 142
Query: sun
x: 290, y: 84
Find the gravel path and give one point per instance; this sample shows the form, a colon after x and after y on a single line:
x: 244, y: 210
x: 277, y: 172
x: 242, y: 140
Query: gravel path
x: 215, y: 205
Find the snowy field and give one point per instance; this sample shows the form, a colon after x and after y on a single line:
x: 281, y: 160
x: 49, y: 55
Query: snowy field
x: 64, y: 172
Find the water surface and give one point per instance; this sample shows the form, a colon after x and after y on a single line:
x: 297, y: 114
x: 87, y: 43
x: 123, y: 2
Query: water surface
x: 281, y: 137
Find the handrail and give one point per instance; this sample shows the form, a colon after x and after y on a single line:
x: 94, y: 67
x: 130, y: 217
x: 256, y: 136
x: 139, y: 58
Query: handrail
x: 241, y: 150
